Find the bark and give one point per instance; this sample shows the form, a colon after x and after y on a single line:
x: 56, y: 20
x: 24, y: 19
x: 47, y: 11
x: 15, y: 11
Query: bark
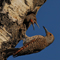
x: 13, y: 24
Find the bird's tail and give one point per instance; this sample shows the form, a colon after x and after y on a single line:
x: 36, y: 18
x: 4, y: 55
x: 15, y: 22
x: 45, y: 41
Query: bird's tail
x: 9, y: 51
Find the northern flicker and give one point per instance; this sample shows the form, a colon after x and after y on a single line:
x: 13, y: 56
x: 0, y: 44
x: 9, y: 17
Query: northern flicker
x: 36, y: 45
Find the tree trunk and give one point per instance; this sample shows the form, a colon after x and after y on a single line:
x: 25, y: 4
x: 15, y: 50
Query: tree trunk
x: 12, y: 22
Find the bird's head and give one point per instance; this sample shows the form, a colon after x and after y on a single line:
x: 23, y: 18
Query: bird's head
x: 34, y: 20
x: 49, y: 36
x: 31, y: 17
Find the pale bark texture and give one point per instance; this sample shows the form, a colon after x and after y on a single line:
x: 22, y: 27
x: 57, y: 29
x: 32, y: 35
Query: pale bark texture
x: 13, y: 22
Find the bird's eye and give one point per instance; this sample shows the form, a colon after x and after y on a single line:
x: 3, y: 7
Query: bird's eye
x: 50, y: 34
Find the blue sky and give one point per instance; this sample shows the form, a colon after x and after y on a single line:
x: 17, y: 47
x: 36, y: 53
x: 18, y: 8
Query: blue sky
x: 48, y: 16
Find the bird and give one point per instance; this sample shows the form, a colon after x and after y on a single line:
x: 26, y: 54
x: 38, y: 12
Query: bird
x: 31, y: 18
x: 37, y: 44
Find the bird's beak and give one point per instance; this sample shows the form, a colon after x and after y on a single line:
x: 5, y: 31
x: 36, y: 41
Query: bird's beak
x: 33, y: 27
x: 37, y: 24
x: 33, y: 24
x: 45, y: 30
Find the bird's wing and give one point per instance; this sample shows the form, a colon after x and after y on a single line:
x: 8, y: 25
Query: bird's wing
x: 29, y: 39
x: 15, y: 51
x: 29, y: 47
x: 25, y: 46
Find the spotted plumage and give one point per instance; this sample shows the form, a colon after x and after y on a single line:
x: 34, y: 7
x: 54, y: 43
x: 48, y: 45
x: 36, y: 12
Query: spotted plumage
x: 36, y: 45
